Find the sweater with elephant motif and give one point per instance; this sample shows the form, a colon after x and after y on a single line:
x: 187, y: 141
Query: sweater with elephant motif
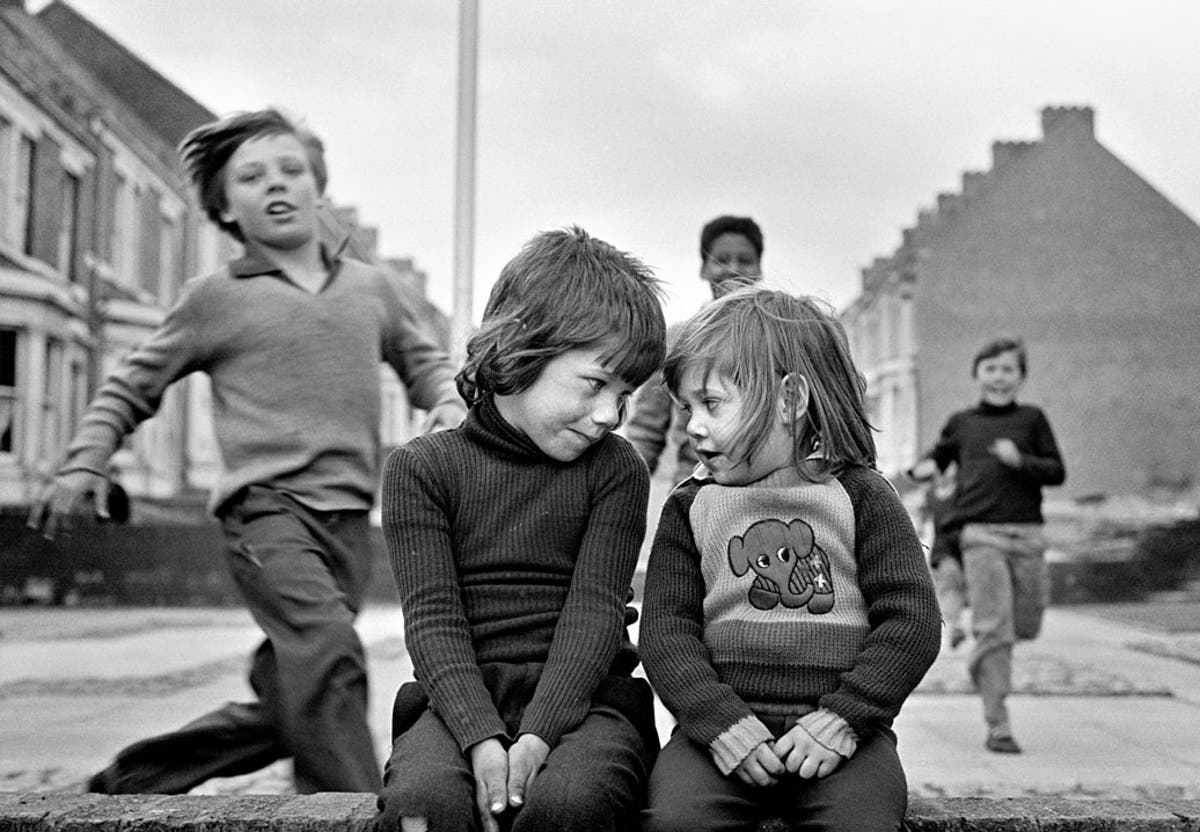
x: 789, y: 599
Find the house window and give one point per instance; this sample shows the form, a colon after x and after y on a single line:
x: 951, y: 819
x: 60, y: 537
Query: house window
x: 6, y: 137
x: 9, y: 401
x: 22, y: 228
x: 78, y: 394
x: 123, y: 230
x: 67, y: 225
x: 52, y: 393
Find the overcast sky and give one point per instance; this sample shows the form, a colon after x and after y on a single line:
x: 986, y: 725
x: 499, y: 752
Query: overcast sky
x: 831, y: 122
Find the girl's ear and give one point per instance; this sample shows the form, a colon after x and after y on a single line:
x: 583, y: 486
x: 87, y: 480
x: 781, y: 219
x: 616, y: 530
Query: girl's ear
x: 793, y: 398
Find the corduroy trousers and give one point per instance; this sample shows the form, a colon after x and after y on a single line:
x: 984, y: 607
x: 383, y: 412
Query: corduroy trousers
x: 593, y: 780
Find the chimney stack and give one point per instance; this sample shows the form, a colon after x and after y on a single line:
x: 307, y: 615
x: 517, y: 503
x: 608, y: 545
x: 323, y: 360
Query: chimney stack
x: 1075, y: 120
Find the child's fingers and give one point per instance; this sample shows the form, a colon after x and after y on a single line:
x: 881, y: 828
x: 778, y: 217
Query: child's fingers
x: 828, y: 766
x: 793, y: 760
x: 808, y: 769
x: 770, y: 761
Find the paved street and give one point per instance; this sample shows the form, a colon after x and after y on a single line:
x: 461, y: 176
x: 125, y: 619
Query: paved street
x: 1100, y: 713
x: 1103, y: 707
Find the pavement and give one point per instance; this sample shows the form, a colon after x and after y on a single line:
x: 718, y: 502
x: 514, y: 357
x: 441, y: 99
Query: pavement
x: 1107, y: 703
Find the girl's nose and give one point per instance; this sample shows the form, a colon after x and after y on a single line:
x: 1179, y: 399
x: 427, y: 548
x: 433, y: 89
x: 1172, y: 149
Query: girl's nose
x: 695, y: 427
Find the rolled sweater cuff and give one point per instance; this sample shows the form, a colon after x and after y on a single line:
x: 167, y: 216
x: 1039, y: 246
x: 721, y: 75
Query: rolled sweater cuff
x: 735, y: 743
x: 831, y: 731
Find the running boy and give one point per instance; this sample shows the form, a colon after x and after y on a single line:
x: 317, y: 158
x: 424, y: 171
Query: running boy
x: 513, y: 542
x: 788, y: 609
x: 291, y: 335
x: 1005, y: 453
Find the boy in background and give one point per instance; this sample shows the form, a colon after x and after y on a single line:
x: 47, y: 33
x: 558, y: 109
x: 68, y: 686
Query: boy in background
x: 291, y: 335
x: 731, y: 251
x: 1005, y: 453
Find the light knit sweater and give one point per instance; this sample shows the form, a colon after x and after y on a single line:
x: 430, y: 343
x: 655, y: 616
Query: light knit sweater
x: 788, y: 599
x: 502, y: 554
x: 295, y: 378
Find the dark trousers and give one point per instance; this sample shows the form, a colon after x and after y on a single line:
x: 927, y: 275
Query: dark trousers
x: 593, y: 779
x: 688, y: 793
x: 303, y: 575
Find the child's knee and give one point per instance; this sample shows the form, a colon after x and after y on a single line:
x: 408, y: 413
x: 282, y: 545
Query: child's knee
x: 416, y: 807
x: 576, y: 804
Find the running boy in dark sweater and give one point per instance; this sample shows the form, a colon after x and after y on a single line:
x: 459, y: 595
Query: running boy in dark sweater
x: 1005, y: 453
x: 513, y: 541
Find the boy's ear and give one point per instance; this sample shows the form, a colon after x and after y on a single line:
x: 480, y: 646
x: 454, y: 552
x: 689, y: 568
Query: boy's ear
x: 793, y: 398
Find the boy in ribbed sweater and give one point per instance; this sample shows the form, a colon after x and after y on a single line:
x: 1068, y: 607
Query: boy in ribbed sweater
x: 788, y: 609
x: 513, y: 541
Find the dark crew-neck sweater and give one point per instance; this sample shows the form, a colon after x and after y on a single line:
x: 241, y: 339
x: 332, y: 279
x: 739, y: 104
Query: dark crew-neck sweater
x: 503, y: 554
x: 987, y: 490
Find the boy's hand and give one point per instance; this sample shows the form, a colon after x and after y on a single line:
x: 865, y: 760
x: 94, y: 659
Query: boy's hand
x: 924, y: 469
x: 805, y: 756
x: 1006, y: 451
x: 57, y: 507
x: 761, y: 767
x: 525, y: 760
x: 489, y: 763
x: 443, y: 416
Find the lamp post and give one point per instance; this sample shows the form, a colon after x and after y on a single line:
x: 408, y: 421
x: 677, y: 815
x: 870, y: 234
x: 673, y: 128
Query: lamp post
x: 464, y: 180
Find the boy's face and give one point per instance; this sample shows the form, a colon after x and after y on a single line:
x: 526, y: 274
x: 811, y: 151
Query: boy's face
x: 271, y: 192
x: 572, y: 405
x: 717, y: 419
x: 999, y: 378
x: 731, y: 263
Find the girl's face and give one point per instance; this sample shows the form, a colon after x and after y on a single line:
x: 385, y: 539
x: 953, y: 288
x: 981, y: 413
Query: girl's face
x: 271, y: 192
x: 572, y: 405
x: 718, y: 417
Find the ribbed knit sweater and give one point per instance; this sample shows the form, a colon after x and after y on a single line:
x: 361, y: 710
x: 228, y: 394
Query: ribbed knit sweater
x: 295, y: 378
x: 986, y: 489
x: 503, y: 554
x: 786, y: 598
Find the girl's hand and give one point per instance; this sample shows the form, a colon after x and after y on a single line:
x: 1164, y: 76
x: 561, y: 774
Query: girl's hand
x: 489, y: 763
x: 803, y: 755
x: 525, y: 760
x: 761, y: 767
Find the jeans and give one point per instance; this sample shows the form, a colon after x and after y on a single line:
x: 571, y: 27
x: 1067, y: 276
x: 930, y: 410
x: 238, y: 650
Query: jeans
x: 1005, y: 570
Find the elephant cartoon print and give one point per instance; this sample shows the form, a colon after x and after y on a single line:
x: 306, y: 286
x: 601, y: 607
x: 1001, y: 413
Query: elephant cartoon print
x: 789, y: 567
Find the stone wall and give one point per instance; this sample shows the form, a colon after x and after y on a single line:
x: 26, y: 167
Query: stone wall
x: 56, y: 812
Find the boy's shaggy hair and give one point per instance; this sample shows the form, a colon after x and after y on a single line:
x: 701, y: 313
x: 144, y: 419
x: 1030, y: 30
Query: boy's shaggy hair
x: 565, y: 290
x: 752, y: 339
x: 206, y: 150
x: 997, y: 345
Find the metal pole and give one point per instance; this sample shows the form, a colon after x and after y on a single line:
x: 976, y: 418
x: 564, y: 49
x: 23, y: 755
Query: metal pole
x: 464, y: 180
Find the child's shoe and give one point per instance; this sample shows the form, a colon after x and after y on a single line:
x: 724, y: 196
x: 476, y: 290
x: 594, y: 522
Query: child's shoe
x: 1002, y: 744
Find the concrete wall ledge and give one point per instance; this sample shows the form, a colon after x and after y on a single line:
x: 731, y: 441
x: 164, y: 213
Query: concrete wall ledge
x: 60, y: 812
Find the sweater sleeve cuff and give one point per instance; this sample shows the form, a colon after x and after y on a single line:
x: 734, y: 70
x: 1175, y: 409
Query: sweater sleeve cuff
x: 735, y: 744
x: 831, y: 731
